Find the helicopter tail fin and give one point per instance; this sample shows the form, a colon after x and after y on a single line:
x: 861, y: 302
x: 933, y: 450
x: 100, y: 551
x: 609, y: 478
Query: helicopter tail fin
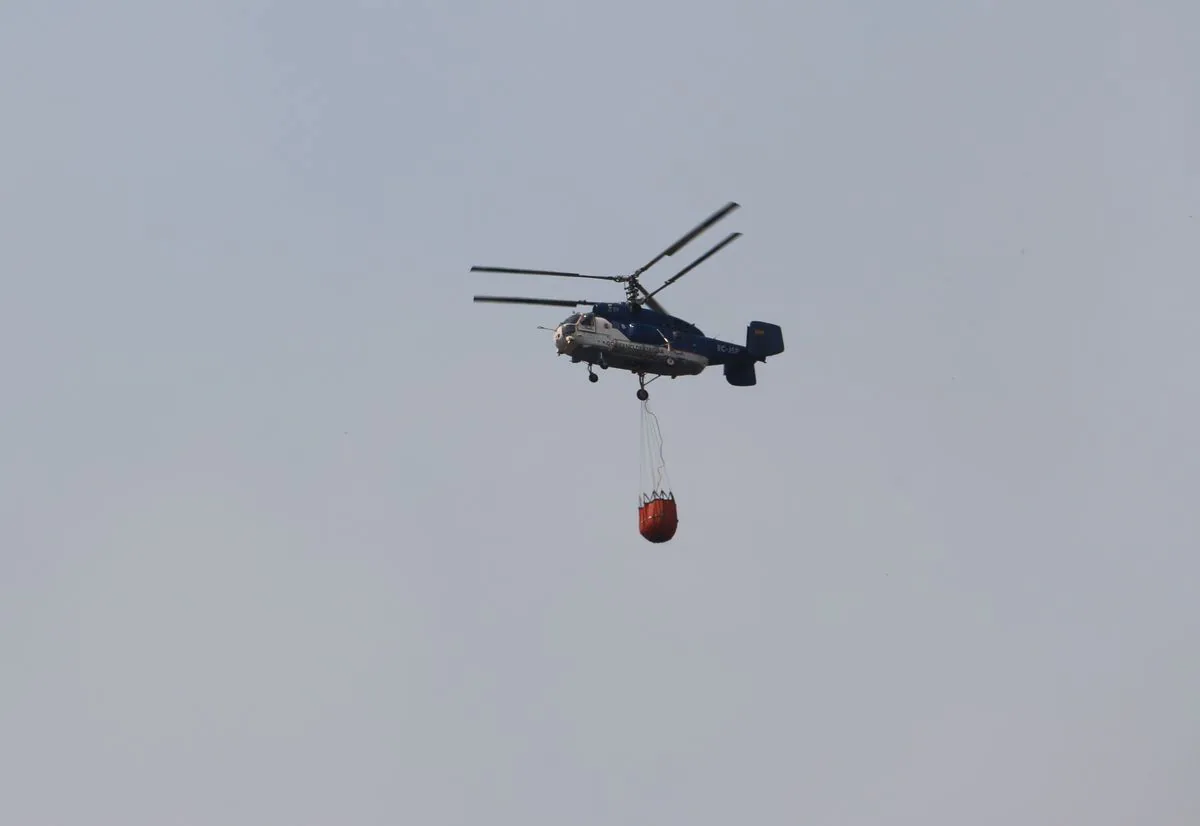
x: 740, y: 373
x: 763, y: 339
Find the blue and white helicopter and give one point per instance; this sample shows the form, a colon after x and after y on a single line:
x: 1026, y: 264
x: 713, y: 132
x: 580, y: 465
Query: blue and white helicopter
x: 640, y: 336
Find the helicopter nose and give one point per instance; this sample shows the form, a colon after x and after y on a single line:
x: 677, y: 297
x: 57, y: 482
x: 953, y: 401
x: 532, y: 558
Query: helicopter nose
x: 561, y: 342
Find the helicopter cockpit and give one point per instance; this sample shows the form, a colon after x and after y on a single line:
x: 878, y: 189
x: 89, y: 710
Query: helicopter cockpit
x: 575, y: 324
x: 578, y: 321
x: 567, y: 326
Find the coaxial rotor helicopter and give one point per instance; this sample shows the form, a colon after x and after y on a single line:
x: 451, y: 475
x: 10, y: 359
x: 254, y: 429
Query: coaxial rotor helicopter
x: 638, y: 335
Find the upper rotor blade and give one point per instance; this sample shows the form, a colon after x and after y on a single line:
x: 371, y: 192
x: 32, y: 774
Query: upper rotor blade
x: 550, y: 302
x: 546, y: 272
x: 701, y: 227
x: 729, y: 239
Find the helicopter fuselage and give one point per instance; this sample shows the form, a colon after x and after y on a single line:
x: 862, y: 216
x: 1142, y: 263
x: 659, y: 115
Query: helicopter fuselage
x: 639, y: 335
x: 640, y: 340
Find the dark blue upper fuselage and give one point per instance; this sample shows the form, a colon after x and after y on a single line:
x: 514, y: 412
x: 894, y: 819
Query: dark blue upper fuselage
x: 624, y: 313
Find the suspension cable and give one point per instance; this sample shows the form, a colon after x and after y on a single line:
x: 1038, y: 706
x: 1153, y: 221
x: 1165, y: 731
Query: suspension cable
x: 652, y: 431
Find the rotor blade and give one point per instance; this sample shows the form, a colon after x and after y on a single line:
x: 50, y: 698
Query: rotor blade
x: 701, y: 227
x: 653, y: 304
x: 546, y: 272
x: 550, y: 302
x: 733, y: 236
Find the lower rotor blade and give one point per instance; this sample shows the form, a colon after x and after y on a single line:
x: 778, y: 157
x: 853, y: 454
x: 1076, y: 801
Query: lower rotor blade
x: 549, y: 302
x: 558, y: 273
x: 729, y: 239
x: 653, y: 304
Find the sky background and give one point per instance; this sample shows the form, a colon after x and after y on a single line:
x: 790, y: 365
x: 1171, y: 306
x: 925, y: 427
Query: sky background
x: 291, y: 532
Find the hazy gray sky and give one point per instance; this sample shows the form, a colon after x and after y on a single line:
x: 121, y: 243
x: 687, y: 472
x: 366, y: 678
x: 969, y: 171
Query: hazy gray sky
x: 293, y: 533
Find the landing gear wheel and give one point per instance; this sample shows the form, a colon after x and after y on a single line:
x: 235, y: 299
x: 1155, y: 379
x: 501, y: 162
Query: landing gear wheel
x: 642, y: 394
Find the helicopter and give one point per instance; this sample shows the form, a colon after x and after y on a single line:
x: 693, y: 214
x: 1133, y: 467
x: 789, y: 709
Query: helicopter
x: 639, y: 335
